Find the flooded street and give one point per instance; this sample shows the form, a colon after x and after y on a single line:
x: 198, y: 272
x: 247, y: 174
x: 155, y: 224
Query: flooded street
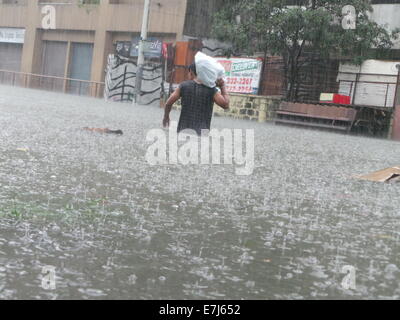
x: 113, y: 227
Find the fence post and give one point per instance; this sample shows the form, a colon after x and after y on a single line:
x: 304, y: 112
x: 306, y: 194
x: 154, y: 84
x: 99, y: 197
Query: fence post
x: 395, y: 128
x: 355, y: 88
x: 386, y: 95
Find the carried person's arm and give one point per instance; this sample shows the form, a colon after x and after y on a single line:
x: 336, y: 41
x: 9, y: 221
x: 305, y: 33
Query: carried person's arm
x: 168, y: 106
x: 222, y: 98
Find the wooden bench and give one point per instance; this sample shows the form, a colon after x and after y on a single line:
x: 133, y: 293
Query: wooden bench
x: 318, y: 116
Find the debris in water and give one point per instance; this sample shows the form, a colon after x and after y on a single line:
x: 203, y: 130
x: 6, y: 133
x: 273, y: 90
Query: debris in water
x: 104, y: 130
x: 386, y: 175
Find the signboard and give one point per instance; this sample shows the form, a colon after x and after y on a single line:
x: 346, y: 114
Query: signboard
x: 152, y: 48
x: 12, y: 35
x: 242, y: 74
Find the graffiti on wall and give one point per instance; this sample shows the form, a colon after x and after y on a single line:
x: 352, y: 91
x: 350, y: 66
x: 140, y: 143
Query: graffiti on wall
x: 121, y: 79
x: 121, y: 69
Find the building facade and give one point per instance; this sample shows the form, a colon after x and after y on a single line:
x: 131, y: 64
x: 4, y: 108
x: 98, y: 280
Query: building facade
x: 85, y: 33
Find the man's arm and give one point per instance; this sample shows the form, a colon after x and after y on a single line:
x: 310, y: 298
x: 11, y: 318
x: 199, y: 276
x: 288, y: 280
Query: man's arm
x: 222, y: 98
x: 168, y: 106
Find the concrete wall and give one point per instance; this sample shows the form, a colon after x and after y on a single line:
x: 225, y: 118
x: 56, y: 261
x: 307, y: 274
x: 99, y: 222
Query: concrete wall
x: 98, y: 24
x: 167, y: 16
x: 248, y: 107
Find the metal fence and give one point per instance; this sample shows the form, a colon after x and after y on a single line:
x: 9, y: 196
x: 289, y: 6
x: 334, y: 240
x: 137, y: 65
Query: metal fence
x: 365, y: 89
x: 52, y: 83
x: 369, y: 89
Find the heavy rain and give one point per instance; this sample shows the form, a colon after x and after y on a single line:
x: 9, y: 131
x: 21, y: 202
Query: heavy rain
x: 115, y: 227
x: 285, y: 189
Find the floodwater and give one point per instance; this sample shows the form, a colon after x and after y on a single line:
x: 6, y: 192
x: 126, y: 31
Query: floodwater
x: 113, y: 227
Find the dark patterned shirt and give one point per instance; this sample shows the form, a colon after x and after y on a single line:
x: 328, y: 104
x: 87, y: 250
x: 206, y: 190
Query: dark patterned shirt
x: 197, y: 106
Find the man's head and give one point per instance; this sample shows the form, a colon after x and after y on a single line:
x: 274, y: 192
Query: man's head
x: 192, y: 71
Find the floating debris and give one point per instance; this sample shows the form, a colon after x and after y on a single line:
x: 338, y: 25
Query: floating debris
x: 104, y: 130
x: 386, y: 175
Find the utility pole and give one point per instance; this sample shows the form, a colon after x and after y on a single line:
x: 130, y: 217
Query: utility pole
x: 143, y: 39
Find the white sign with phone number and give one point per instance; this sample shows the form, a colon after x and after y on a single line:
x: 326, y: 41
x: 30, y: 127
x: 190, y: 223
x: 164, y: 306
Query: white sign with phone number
x: 242, y: 74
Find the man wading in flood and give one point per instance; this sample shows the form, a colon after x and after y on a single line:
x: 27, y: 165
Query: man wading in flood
x: 197, y: 103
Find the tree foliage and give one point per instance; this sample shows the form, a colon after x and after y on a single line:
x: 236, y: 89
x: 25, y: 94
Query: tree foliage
x: 313, y: 27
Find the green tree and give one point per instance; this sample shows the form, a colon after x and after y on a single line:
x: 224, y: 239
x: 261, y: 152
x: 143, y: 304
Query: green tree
x: 311, y: 29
